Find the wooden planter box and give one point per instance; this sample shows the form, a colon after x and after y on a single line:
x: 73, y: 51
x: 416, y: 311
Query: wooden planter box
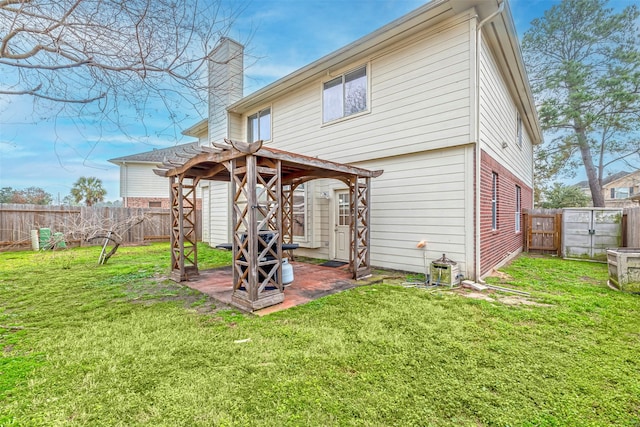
x: 624, y: 269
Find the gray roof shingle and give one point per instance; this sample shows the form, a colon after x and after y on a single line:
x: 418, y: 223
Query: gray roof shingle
x: 157, y: 155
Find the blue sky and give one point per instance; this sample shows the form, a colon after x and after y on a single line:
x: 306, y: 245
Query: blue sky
x: 280, y: 35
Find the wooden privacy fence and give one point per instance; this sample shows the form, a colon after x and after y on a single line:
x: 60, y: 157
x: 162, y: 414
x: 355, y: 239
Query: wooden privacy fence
x: 631, y: 227
x: 77, y: 222
x: 543, y: 230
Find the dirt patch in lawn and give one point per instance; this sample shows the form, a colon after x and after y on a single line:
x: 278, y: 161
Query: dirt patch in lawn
x: 492, y: 296
x: 159, y: 289
x: 504, y: 277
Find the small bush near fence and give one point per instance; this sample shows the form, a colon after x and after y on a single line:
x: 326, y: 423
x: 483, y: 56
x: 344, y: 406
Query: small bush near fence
x: 77, y: 223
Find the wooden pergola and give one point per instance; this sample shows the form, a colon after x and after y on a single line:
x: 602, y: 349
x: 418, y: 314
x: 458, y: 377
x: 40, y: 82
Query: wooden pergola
x: 263, y: 181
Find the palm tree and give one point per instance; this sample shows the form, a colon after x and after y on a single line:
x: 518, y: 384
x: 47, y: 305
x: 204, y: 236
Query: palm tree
x: 89, y: 190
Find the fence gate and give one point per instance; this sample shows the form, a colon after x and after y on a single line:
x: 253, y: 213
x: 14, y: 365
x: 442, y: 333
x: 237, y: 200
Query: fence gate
x: 543, y: 232
x: 588, y: 232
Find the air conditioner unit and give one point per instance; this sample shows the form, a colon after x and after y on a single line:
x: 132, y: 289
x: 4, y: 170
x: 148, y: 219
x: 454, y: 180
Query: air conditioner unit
x: 444, y: 272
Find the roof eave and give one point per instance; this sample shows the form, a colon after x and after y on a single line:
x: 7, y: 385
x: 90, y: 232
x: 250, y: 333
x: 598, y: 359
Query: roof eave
x: 512, y: 64
x: 411, y: 22
x: 198, y: 129
x: 123, y: 161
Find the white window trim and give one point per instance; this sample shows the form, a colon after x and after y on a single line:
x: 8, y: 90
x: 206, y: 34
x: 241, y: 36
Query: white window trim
x: 305, y: 238
x: 332, y: 76
x: 518, y: 217
x: 494, y: 201
x: 258, y: 111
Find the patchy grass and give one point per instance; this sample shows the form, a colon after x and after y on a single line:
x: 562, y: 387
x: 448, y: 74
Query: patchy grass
x: 119, y: 345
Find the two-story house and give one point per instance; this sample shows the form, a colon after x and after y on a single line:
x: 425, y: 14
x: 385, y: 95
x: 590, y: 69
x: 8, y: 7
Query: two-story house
x: 439, y: 99
x: 619, y: 190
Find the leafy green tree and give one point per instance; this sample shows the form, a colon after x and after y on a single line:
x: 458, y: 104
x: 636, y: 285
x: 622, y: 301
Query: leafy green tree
x: 564, y: 196
x: 30, y: 195
x: 69, y: 200
x: 584, y: 64
x: 5, y: 194
x: 88, y: 190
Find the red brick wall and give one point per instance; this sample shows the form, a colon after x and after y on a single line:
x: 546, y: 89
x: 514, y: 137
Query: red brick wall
x: 496, y: 245
x: 143, y: 202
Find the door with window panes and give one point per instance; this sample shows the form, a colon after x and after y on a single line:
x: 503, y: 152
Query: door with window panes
x: 343, y: 219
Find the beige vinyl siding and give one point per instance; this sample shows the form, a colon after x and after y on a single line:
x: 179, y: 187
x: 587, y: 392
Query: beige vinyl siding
x: 140, y: 181
x: 219, y: 213
x: 498, y: 115
x: 236, y: 128
x: 418, y: 99
x: 206, y: 212
x: 421, y: 196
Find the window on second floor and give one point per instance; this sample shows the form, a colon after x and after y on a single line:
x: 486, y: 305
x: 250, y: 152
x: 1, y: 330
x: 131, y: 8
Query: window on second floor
x: 259, y: 126
x: 345, y: 95
x: 621, y: 192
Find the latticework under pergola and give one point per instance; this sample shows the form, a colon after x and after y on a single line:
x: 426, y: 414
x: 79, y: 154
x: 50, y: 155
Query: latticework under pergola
x: 263, y: 181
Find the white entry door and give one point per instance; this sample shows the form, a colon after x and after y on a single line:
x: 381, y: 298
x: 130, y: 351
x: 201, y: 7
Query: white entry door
x: 343, y: 218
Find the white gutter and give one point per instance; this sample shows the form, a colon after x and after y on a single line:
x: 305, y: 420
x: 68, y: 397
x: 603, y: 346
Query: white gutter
x: 477, y: 136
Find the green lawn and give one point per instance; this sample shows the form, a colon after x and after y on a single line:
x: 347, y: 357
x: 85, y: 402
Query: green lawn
x: 119, y: 345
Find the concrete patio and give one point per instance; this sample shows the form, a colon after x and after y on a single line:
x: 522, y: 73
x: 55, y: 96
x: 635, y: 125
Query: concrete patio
x: 310, y: 282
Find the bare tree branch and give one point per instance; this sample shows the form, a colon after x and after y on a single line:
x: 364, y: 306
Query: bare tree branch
x: 101, y: 57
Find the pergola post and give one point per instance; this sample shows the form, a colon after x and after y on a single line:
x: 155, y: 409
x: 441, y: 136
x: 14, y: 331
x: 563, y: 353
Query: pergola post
x: 257, y: 219
x: 359, y: 256
x: 184, y: 249
x: 288, y: 192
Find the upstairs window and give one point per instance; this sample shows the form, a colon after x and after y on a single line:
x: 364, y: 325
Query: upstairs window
x: 621, y: 192
x: 259, y: 126
x: 345, y: 95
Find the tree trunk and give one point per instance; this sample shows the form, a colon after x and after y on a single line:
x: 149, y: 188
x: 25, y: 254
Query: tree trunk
x: 592, y: 175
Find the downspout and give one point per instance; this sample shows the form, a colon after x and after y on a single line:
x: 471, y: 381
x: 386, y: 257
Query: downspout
x: 477, y: 136
x: 126, y: 185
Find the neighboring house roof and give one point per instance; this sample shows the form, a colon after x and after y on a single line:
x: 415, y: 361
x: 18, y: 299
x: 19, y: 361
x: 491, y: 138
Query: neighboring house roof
x: 605, y: 181
x: 155, y: 156
x: 502, y: 36
x: 626, y: 175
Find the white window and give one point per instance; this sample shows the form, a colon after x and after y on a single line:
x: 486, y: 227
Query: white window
x: 519, y: 130
x: 494, y: 201
x: 621, y: 192
x: 259, y: 126
x: 299, y: 211
x: 518, y: 208
x: 345, y: 95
